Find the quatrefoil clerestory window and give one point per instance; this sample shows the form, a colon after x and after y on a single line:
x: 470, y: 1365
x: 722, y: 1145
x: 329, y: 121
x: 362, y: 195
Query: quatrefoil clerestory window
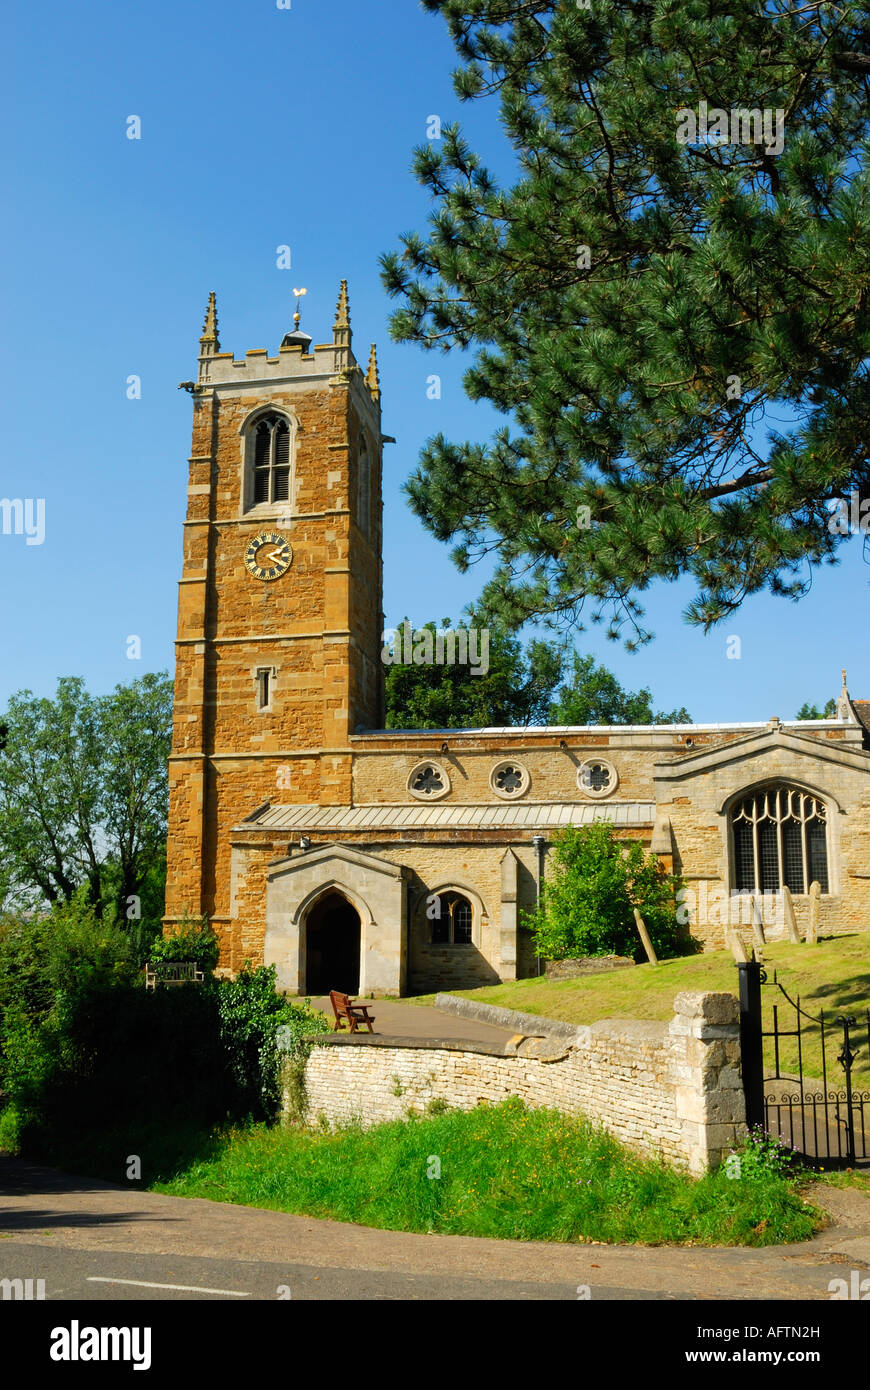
x: 428, y: 782
x: 509, y: 779
x: 597, y: 778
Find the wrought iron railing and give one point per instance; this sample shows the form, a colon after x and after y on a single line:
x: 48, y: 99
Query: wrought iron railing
x: 804, y: 1104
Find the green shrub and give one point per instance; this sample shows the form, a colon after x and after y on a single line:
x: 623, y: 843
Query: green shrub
x: 766, y: 1154
x: 47, y: 963
x: 61, y: 949
x: 297, y: 1033
x: 85, y: 1048
x: 251, y: 1013
x: 437, y: 1106
x: 195, y: 939
x: 594, y: 884
x: 298, y: 1024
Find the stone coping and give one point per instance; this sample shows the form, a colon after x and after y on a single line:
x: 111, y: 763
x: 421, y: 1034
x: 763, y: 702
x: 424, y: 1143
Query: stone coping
x: 530, y: 1024
x: 421, y: 1044
x: 525, y: 1042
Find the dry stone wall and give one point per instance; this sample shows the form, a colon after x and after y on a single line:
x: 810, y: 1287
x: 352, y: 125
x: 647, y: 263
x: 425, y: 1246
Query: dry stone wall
x: 664, y: 1089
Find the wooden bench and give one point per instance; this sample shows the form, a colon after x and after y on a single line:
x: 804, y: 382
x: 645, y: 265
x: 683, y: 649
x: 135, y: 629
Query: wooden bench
x: 348, y: 1011
x: 173, y: 972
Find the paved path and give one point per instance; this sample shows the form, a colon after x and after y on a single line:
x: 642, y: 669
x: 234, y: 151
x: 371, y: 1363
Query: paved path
x: 75, y: 1232
x: 396, y: 1020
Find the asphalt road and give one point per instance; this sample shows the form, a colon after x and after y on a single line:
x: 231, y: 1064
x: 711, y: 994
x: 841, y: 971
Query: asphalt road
x: 109, y: 1276
x: 84, y: 1237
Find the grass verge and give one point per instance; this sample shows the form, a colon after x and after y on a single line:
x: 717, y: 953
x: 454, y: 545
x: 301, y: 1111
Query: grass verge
x: 502, y: 1171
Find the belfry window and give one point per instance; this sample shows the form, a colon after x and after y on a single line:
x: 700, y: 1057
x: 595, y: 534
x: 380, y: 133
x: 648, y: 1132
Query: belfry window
x: 271, y: 461
x: 780, y: 839
x: 451, y: 917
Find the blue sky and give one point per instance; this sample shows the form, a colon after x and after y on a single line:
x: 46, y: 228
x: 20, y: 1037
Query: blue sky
x: 260, y: 127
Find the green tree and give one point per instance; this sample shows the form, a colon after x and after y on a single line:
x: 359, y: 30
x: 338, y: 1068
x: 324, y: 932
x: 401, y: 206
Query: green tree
x: 595, y: 696
x: 84, y: 796
x: 678, y: 328
x: 594, y: 882
x: 135, y: 727
x: 515, y: 690
x: 808, y: 711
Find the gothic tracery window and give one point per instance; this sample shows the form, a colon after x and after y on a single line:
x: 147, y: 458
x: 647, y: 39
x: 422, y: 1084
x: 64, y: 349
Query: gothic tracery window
x: 271, y: 460
x: 451, y: 919
x: 780, y: 838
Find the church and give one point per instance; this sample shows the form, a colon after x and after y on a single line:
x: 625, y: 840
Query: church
x: 393, y: 862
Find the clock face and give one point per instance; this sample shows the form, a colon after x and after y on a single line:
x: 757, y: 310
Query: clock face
x: 268, y: 556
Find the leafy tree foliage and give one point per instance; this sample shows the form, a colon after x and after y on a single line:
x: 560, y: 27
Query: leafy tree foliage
x: 84, y: 796
x: 85, y: 1049
x: 520, y: 688
x: 679, y: 332
x: 594, y: 883
x: 595, y: 696
x: 194, y: 939
x: 516, y: 690
x: 808, y: 711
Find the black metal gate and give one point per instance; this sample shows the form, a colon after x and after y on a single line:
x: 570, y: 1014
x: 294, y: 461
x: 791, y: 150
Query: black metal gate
x: 795, y: 1086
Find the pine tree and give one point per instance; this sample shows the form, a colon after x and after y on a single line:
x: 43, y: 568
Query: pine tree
x: 677, y: 332
x: 808, y: 711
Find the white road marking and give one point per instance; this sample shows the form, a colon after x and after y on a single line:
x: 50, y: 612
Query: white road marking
x: 182, y: 1288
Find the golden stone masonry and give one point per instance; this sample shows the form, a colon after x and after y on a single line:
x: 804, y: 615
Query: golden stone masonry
x: 389, y: 862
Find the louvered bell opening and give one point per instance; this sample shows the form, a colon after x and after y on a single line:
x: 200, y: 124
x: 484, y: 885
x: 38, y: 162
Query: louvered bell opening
x: 262, y: 444
x: 282, y: 485
x: 261, y: 485
x: 282, y: 446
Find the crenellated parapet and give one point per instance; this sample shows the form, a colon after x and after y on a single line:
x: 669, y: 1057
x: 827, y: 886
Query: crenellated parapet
x: 297, y: 363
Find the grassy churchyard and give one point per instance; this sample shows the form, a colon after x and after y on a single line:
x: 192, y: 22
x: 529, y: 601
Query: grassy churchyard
x: 833, y: 976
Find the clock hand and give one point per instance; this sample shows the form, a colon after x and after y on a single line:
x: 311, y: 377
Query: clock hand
x: 276, y: 556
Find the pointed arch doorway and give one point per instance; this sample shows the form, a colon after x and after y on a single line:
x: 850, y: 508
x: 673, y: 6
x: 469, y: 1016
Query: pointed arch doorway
x: 332, y: 946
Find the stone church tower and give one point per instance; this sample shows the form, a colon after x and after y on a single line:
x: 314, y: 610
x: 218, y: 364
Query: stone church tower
x: 392, y: 861
x: 278, y: 654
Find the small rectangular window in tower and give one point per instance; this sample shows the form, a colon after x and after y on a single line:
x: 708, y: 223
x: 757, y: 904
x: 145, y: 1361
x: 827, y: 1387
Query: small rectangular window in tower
x: 264, y: 688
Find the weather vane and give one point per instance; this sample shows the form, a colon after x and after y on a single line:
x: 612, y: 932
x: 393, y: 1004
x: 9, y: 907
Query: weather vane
x: 297, y: 316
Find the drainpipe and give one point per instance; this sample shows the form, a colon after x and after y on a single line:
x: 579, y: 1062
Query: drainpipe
x: 540, y: 845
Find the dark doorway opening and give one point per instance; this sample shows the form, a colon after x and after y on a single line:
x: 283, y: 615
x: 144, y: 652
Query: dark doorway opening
x: 332, y: 938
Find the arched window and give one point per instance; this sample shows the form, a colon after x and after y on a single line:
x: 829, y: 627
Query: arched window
x: 270, y: 461
x: 364, y: 490
x: 451, y: 918
x: 780, y: 839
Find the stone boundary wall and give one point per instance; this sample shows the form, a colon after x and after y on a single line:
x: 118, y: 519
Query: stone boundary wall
x: 532, y: 1025
x: 664, y: 1089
